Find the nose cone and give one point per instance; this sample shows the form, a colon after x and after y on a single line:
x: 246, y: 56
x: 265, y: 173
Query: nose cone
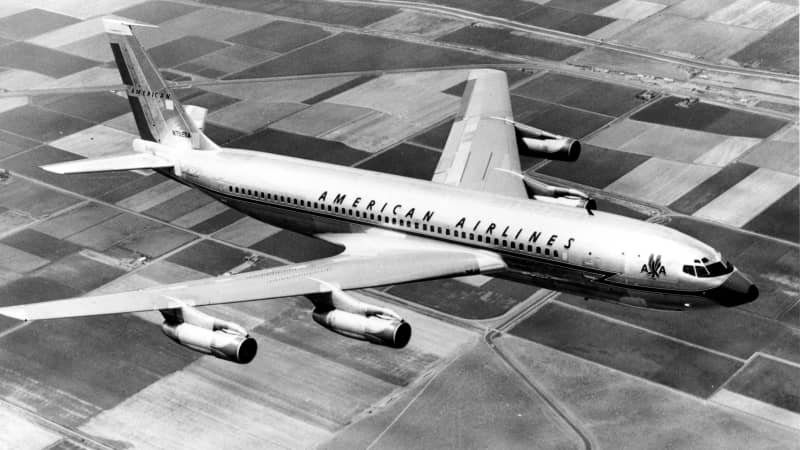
x: 736, y: 290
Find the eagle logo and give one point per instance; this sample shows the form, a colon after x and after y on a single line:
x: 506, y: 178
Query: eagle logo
x: 654, y: 267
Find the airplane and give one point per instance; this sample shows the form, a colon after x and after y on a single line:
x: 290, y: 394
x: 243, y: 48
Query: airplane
x: 478, y: 215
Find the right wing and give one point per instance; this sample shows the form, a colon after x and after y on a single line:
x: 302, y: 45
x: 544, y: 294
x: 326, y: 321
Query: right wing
x: 483, y: 140
x: 396, y: 260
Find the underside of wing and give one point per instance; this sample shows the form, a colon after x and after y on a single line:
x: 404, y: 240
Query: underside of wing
x: 483, y: 139
x: 371, y: 260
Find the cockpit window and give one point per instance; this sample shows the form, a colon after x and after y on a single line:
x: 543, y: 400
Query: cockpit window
x: 711, y: 270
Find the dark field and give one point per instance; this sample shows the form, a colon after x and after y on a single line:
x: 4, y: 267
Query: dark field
x: 556, y: 118
x: 584, y: 6
x: 338, y: 14
x: 21, y: 55
x: 40, y: 244
x: 339, y: 89
x: 156, y: 12
x: 179, y: 205
x: 713, y: 187
x: 781, y: 219
x: 183, y: 49
x: 775, y: 51
x: 348, y: 52
x: 407, y: 160
x: 86, y: 184
x: 280, y: 36
x: 563, y: 20
x: 94, y: 106
x: 764, y: 260
x: 11, y: 144
x: 33, y: 22
x: 634, y: 351
x: 464, y: 300
x: 597, y: 167
x: 296, y: 247
x: 72, y: 371
x: 770, y: 381
x: 40, y: 124
x: 604, y: 98
x: 711, y: 118
x: 436, y: 137
x: 217, y: 222
x: 299, y: 146
x: 710, y: 328
x: 501, y: 40
x: 209, y: 257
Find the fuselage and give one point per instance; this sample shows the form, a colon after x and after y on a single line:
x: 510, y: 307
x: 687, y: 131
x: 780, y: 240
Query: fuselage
x: 598, y: 255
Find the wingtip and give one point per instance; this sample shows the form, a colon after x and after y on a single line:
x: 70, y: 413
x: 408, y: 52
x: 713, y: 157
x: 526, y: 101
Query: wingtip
x: 118, y: 25
x: 15, y: 313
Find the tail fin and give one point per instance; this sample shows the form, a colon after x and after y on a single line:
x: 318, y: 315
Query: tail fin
x: 158, y: 114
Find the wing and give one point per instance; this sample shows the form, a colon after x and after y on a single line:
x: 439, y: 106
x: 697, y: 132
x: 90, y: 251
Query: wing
x: 369, y: 260
x: 483, y: 139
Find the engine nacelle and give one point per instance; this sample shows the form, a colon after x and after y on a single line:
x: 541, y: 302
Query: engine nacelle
x: 547, y: 145
x: 378, y: 329
x: 224, y: 345
x: 207, y: 334
x: 556, y: 194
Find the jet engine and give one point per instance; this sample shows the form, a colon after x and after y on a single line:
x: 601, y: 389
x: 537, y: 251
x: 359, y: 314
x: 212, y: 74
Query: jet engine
x: 547, y: 145
x: 556, y: 194
x: 210, y: 335
x: 345, y: 315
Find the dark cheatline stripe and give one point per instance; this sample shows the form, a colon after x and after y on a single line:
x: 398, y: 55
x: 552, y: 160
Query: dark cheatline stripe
x: 339, y: 89
x: 123, y: 68
x: 141, y: 121
x: 712, y: 188
x: 781, y: 219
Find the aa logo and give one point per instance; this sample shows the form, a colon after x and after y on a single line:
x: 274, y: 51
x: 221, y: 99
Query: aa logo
x: 654, y: 267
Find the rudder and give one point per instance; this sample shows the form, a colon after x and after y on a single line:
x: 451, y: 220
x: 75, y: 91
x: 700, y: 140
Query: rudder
x: 158, y: 114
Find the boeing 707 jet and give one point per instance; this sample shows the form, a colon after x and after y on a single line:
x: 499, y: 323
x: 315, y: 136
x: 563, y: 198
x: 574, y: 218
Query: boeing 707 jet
x: 478, y: 215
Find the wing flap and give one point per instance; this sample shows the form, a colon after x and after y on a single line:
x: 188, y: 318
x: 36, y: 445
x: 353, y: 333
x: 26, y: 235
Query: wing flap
x: 345, y: 271
x: 128, y: 161
x: 483, y: 139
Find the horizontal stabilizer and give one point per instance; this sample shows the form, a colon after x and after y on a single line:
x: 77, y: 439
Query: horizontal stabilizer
x: 129, y: 161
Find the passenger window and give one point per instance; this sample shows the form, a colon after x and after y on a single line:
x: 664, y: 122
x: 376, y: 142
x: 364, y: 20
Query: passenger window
x: 439, y: 230
x: 555, y: 253
x: 394, y: 221
x: 505, y: 243
x: 372, y: 216
x: 496, y: 241
x: 471, y: 237
x: 547, y: 252
x: 447, y: 231
x: 480, y: 238
x: 538, y: 249
x: 424, y: 227
x: 416, y: 225
x: 530, y: 248
x: 513, y: 245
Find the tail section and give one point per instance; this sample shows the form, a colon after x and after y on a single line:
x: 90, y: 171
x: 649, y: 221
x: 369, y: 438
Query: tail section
x: 159, y: 116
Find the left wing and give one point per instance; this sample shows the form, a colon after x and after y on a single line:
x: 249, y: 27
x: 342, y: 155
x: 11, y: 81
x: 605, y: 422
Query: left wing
x: 370, y: 259
x: 482, y: 139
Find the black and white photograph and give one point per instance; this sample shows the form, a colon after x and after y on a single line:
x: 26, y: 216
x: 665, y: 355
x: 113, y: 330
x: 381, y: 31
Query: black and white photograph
x: 399, y: 224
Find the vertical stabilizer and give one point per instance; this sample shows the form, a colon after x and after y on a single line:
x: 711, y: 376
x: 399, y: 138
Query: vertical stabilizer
x: 158, y: 114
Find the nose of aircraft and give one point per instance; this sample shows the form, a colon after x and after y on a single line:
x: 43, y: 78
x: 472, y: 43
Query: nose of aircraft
x: 736, y: 290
